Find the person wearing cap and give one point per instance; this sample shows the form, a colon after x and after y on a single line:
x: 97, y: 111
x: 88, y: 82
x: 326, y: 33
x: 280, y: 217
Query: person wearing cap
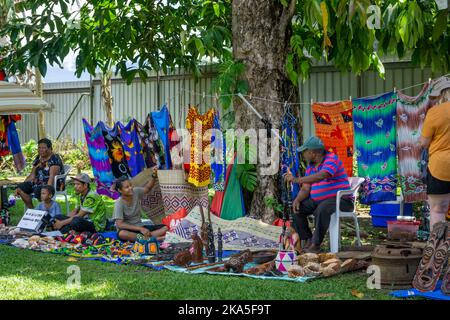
x: 436, y: 138
x: 325, y: 176
x: 46, y: 167
x: 90, y: 213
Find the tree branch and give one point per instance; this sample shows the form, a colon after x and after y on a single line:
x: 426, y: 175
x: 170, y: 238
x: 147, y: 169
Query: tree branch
x: 286, y: 17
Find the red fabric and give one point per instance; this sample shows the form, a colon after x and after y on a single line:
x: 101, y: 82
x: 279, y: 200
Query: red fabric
x: 216, y: 204
x: 172, y: 221
x: 279, y: 223
x: 2, y: 75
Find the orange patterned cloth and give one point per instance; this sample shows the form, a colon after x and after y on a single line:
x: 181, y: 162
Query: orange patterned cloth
x: 334, y: 125
x: 197, y: 125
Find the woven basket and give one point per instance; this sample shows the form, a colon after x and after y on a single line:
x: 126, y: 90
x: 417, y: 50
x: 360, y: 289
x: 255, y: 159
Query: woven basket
x: 177, y: 193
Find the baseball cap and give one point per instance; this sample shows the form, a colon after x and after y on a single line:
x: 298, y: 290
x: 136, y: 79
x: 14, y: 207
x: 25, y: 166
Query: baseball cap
x: 440, y: 84
x: 82, y: 177
x: 311, y: 143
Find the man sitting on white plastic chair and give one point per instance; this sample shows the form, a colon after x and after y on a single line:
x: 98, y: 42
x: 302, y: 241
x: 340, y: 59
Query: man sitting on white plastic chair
x: 325, y: 176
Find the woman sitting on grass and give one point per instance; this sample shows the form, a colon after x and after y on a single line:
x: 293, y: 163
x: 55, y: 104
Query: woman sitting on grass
x: 127, y: 212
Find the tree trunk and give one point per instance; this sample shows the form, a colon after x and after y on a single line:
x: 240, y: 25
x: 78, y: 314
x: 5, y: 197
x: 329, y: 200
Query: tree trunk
x: 261, y: 35
x: 40, y: 93
x: 107, y: 98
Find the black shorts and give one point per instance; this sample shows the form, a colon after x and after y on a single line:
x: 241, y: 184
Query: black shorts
x: 436, y: 186
x: 29, y: 188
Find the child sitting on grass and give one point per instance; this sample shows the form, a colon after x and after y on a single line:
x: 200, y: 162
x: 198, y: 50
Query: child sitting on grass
x: 47, y: 204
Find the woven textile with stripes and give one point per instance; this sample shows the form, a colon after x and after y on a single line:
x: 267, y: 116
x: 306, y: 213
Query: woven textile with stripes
x: 177, y: 193
x: 334, y: 125
x: 411, y: 113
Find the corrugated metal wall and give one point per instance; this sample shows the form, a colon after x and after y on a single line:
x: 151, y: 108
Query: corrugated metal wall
x: 129, y: 101
x: 179, y: 89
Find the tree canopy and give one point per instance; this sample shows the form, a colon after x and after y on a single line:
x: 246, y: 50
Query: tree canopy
x: 135, y: 36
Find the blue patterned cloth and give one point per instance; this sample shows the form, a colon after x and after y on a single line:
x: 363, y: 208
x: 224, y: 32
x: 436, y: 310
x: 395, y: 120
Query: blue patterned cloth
x: 289, y: 154
x: 161, y: 120
x: 218, y: 159
x: 374, y: 120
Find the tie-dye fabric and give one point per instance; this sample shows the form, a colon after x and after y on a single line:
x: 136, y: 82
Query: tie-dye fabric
x: 289, y: 154
x: 100, y: 162
x: 116, y: 152
x: 411, y: 113
x: 131, y: 144
x: 375, y: 143
x: 334, y: 125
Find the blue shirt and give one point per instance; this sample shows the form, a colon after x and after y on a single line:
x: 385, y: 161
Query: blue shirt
x: 54, y: 209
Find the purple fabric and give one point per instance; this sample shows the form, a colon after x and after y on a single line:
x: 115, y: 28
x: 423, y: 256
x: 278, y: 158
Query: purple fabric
x: 101, y: 165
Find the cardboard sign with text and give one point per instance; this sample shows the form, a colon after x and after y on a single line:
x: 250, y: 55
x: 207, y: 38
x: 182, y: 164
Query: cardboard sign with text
x: 32, y: 220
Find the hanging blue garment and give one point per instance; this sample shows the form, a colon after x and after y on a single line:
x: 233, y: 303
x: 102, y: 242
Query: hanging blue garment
x: 14, y: 146
x: 218, y: 157
x: 289, y: 154
x: 161, y: 120
x: 132, y: 146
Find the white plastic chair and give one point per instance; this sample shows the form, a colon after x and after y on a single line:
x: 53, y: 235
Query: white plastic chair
x: 63, y: 176
x: 335, y: 230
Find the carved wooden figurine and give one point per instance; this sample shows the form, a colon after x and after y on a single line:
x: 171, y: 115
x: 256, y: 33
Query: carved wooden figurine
x: 183, y: 258
x: 211, y: 246
x: 197, y: 246
x: 219, y: 245
x: 237, y: 262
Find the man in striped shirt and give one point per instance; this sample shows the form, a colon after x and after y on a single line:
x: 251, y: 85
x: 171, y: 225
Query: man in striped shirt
x: 325, y: 176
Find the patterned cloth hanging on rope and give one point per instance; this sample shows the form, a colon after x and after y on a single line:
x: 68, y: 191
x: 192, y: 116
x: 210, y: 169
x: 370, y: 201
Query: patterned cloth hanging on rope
x: 334, y: 126
x: 132, y: 147
x: 218, y: 155
x: 197, y: 125
x: 375, y: 143
x: 100, y: 161
x: 411, y: 113
x: 289, y: 154
x: 116, y: 152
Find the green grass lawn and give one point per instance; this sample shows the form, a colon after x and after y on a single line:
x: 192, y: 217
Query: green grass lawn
x: 25, y: 274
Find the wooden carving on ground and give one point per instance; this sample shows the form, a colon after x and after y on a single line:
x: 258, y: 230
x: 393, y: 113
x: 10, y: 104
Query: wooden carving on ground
x: 237, y: 262
x: 204, y: 230
x: 197, y: 246
x: 434, y: 257
x: 262, y: 268
x: 183, y: 258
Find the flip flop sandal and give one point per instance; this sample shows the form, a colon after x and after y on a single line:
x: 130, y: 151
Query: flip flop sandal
x: 434, y: 257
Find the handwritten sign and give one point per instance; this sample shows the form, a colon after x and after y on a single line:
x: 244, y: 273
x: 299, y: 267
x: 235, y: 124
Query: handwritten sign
x: 32, y: 220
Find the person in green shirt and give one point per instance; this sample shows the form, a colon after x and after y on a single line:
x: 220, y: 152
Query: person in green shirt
x: 90, y: 213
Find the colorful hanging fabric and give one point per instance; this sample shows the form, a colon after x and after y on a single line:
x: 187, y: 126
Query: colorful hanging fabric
x: 197, y: 125
x: 116, y: 152
x: 147, y: 145
x: 375, y: 143
x: 4, y: 149
x: 217, y: 201
x: 131, y: 144
x: 233, y: 206
x: 161, y: 121
x: 289, y: 154
x: 100, y: 161
x: 218, y: 155
x: 14, y: 145
x: 411, y: 113
x: 334, y: 125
